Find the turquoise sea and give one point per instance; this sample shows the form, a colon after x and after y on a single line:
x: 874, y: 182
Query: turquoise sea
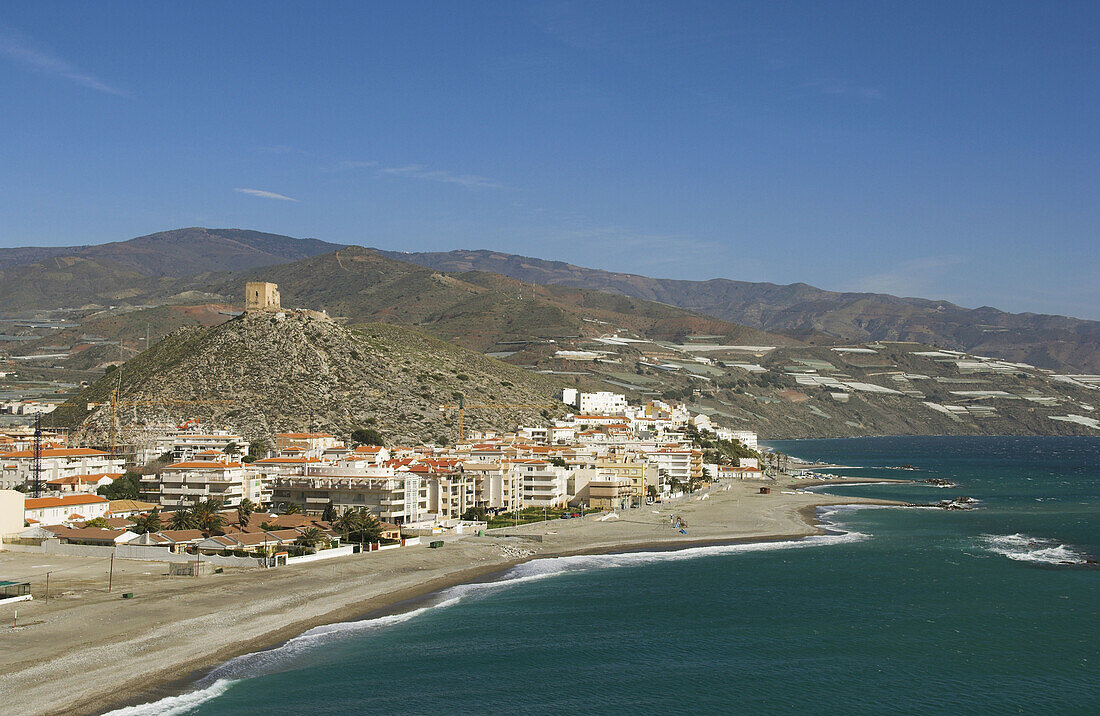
x: 995, y: 610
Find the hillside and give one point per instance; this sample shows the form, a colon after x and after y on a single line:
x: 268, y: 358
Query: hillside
x: 480, y: 310
x: 879, y: 388
x: 263, y: 375
x: 816, y: 315
x: 180, y: 252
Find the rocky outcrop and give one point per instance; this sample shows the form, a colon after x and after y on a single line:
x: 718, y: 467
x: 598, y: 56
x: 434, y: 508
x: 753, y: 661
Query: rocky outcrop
x: 273, y: 372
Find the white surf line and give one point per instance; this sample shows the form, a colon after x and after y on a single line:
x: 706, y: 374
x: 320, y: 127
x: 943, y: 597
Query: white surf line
x: 281, y: 658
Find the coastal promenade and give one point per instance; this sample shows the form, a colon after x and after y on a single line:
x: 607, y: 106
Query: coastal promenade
x: 88, y: 650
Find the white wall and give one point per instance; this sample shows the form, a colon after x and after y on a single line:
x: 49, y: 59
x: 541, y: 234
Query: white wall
x: 11, y: 513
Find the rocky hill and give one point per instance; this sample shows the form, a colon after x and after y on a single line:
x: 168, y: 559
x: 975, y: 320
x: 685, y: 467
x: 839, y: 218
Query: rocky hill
x: 480, y: 310
x: 263, y: 374
x: 815, y: 315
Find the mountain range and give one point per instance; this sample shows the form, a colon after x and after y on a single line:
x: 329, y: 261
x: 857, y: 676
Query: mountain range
x: 396, y: 334
x: 814, y: 315
x: 484, y: 297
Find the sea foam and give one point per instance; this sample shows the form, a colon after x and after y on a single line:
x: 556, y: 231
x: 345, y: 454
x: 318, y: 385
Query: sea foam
x: 175, y: 705
x: 1024, y: 548
x: 282, y: 657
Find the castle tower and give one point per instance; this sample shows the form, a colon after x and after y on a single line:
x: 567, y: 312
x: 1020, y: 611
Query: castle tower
x: 260, y: 296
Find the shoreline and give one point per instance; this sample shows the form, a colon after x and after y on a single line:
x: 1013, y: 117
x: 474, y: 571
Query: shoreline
x: 420, y: 594
x: 414, y: 576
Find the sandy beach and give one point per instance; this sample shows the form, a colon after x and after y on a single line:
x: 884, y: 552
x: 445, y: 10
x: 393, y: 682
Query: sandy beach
x: 88, y: 650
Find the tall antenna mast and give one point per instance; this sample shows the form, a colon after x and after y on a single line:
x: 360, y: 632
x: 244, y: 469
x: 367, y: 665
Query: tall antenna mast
x: 36, y: 465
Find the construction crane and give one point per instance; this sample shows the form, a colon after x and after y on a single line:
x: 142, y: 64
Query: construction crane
x: 113, y: 404
x: 462, y: 407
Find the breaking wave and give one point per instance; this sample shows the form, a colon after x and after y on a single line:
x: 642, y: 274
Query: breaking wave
x: 1024, y: 548
x: 175, y: 705
x: 282, y: 657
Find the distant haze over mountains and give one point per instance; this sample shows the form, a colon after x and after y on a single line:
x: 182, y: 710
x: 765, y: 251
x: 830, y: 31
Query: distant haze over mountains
x: 815, y: 315
x: 181, y: 252
x: 198, y: 262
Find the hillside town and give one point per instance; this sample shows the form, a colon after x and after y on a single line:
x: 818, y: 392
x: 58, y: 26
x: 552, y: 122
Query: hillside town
x: 198, y: 490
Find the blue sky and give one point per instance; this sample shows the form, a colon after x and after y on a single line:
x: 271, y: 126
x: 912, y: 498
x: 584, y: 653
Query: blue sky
x: 945, y: 150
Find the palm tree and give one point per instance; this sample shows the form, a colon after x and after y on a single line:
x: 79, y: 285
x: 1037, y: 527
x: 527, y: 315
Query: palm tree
x: 311, y: 537
x: 348, y: 521
x: 244, y: 511
x: 211, y: 522
x: 292, y: 508
x: 182, y: 520
x: 207, y: 517
x: 371, y: 529
x: 148, y: 522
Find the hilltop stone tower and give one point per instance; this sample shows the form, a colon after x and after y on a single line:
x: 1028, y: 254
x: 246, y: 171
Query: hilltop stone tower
x: 261, y: 296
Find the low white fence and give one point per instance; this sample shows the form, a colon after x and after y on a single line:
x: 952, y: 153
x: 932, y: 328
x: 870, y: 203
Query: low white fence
x: 323, y: 554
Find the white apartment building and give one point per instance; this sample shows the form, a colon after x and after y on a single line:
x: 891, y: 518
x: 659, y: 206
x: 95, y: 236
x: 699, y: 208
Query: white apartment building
x: 539, y: 435
x: 186, y: 446
x: 16, y: 468
x: 67, y: 508
x: 391, y: 496
x: 310, y: 444
x: 563, y: 433
x: 601, y: 403
x: 544, y: 485
x: 495, y: 487
x: 184, y: 483
x: 86, y: 484
x: 682, y: 464
x: 450, y: 494
x: 745, y: 437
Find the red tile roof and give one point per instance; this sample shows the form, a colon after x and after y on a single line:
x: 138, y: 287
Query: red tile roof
x: 37, y: 503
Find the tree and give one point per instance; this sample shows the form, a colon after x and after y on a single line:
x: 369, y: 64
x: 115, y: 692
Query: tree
x: 366, y: 436
x: 126, y: 487
x: 96, y: 522
x: 232, y: 449
x: 268, y: 526
x: 257, y: 449
x: 474, y: 514
x: 149, y: 522
x: 329, y: 513
x: 348, y: 521
x: 182, y: 520
x: 244, y: 511
x: 674, y: 484
x: 310, y: 537
x: 371, y: 530
x: 651, y: 491
x: 558, y: 461
x: 21, y: 488
x: 361, y: 526
x: 292, y: 508
x: 207, y: 516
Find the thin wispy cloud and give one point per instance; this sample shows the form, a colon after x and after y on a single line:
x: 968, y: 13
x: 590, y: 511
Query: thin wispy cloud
x: 22, y: 52
x: 408, y: 171
x: 352, y: 164
x: 260, y: 193
x: 417, y: 171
